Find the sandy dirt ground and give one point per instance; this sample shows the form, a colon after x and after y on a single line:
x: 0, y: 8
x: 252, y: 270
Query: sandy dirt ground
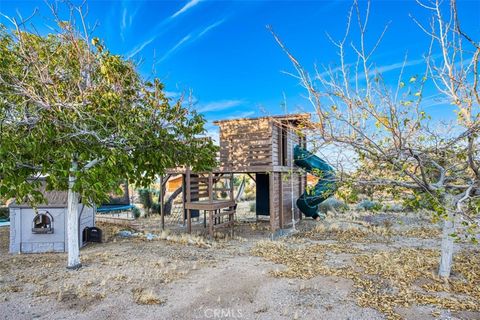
x: 368, y: 267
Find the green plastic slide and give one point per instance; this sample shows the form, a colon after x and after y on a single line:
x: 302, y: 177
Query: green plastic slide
x: 325, y: 187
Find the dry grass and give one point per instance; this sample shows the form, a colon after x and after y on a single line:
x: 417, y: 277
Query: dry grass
x: 385, y: 280
x: 76, y: 296
x: 111, y: 234
x: 304, y: 262
x: 110, y: 230
x: 185, y: 239
x: 11, y: 288
x: 110, y: 269
x: 349, y: 231
x: 393, y: 280
x: 146, y: 297
x: 421, y: 233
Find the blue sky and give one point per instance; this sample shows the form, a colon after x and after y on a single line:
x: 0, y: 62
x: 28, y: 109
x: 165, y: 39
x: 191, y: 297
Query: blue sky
x: 222, y: 51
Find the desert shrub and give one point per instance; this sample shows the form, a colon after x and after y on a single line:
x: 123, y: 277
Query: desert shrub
x: 4, y: 213
x: 332, y: 204
x: 369, y: 205
x: 136, y: 212
x: 155, y: 207
x: 145, y: 199
x: 395, y: 207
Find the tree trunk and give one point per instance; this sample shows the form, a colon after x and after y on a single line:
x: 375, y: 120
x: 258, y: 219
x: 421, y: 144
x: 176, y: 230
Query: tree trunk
x: 446, y: 257
x: 72, y: 221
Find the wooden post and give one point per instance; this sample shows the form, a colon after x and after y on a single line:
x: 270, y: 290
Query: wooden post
x: 162, y: 209
x: 210, y: 223
x: 279, y: 134
x: 184, y: 197
x: 280, y: 200
x: 210, y: 186
x: 188, y: 197
x: 271, y: 193
x: 301, y: 187
x: 232, y: 196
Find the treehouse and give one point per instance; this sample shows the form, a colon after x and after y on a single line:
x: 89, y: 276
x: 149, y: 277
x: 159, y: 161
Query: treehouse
x: 263, y: 149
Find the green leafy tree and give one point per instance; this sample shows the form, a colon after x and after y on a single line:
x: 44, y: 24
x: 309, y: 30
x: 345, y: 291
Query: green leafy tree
x: 82, y: 117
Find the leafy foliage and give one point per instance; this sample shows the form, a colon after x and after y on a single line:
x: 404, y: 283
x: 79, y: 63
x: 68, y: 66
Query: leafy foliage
x: 65, y: 99
x: 136, y: 212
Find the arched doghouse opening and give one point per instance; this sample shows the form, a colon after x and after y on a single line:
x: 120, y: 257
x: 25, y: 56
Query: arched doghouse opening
x: 43, y: 223
x: 85, y: 235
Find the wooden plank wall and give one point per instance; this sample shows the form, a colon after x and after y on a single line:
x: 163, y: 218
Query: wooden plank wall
x: 275, y: 196
x: 277, y: 148
x: 290, y: 195
x: 246, y: 143
x: 276, y: 145
x: 255, y: 142
x: 281, y: 198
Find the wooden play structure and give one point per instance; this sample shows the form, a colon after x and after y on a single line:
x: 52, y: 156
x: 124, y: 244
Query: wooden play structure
x: 263, y: 149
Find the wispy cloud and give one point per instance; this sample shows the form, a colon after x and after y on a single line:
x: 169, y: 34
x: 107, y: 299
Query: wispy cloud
x: 434, y: 100
x: 373, y: 71
x: 219, y: 105
x: 175, y: 47
x: 242, y: 115
x: 127, y: 18
x: 210, y: 27
x: 185, y: 8
x: 123, y: 26
x: 388, y: 67
x: 172, y: 94
x: 140, y: 47
x: 398, y: 65
x: 124, y: 18
x: 190, y: 38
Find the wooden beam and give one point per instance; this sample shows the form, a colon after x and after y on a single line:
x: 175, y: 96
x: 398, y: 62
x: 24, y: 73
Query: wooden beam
x: 210, y: 186
x: 232, y: 196
x: 301, y: 188
x: 161, y: 202
x: 210, y: 223
x: 165, y: 180
x: 271, y: 194
x: 280, y: 200
x: 184, y: 197
x: 188, y: 198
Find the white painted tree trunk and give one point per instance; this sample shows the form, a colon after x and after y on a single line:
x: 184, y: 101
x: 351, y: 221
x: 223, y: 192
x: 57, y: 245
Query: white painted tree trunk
x: 72, y: 221
x: 446, y: 257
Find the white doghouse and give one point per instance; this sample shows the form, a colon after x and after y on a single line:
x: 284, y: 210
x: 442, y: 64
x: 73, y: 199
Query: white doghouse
x: 44, y: 230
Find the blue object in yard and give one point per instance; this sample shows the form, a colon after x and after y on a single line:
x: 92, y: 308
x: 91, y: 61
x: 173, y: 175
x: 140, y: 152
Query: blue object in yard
x: 110, y: 208
x: 325, y: 187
